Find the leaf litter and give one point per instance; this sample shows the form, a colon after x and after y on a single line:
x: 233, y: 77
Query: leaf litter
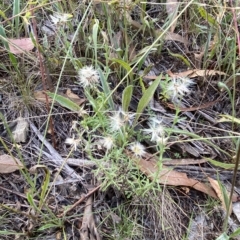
x: 201, y: 107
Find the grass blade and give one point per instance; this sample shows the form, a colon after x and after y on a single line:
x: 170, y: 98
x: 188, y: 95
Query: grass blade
x: 126, y: 97
x: 146, y: 98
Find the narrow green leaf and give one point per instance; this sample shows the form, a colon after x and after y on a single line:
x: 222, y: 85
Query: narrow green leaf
x: 106, y: 87
x: 228, y: 118
x: 47, y: 226
x: 11, y: 233
x: 3, y: 37
x: 125, y: 65
x: 94, y: 36
x: 235, y: 234
x: 181, y: 57
x: 220, y: 164
x: 65, y: 102
x: 44, y: 186
x: 31, y: 201
x: 223, y: 236
x: 12, y: 58
x: 146, y: 98
x: 16, y: 11
x: 204, y: 14
x: 126, y: 97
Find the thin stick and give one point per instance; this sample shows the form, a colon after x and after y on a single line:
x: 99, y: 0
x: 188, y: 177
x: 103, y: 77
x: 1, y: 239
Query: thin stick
x: 80, y: 200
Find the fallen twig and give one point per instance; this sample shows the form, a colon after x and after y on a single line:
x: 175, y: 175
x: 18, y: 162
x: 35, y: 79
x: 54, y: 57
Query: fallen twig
x: 56, y: 158
x: 79, y: 201
x: 88, y: 229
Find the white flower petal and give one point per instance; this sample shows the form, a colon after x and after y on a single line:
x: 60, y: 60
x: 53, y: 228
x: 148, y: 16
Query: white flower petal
x: 88, y: 76
x: 138, y: 149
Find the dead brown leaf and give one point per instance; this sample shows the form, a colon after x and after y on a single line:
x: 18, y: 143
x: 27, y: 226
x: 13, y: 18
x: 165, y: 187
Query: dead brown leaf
x: 74, y: 97
x: 21, y: 130
x: 9, y: 164
x: 41, y: 96
x: 191, y: 74
x: 217, y: 188
x: 170, y: 177
x: 184, y: 162
x: 17, y: 46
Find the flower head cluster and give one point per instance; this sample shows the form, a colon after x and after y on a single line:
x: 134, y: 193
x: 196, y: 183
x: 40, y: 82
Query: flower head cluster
x: 138, y: 149
x: 60, y: 17
x: 88, y: 76
x: 120, y: 119
x: 107, y: 142
x: 178, y: 87
x: 157, y: 131
x: 73, y: 142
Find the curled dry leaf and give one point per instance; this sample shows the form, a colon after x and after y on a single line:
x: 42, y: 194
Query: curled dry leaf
x: 9, y: 164
x: 169, y: 176
x: 190, y: 74
x: 74, y: 97
x: 17, y: 46
x: 20, y: 132
x: 217, y: 188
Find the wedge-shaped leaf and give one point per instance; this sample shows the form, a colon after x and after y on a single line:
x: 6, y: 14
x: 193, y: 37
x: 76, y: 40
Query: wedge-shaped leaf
x: 146, y: 98
x: 9, y: 164
x: 65, y: 102
x: 126, y: 97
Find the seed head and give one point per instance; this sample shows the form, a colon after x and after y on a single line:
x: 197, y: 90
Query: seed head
x: 178, y: 87
x: 60, y: 17
x: 120, y: 119
x: 73, y: 142
x: 156, y: 129
x: 107, y: 142
x: 88, y: 76
x: 138, y: 149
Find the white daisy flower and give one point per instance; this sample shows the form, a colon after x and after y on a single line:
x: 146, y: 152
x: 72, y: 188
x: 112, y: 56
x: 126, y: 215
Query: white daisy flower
x: 120, y: 119
x: 178, y: 87
x: 138, y: 149
x: 107, y: 142
x: 60, y: 17
x: 73, y: 142
x: 88, y: 76
x: 157, y: 131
